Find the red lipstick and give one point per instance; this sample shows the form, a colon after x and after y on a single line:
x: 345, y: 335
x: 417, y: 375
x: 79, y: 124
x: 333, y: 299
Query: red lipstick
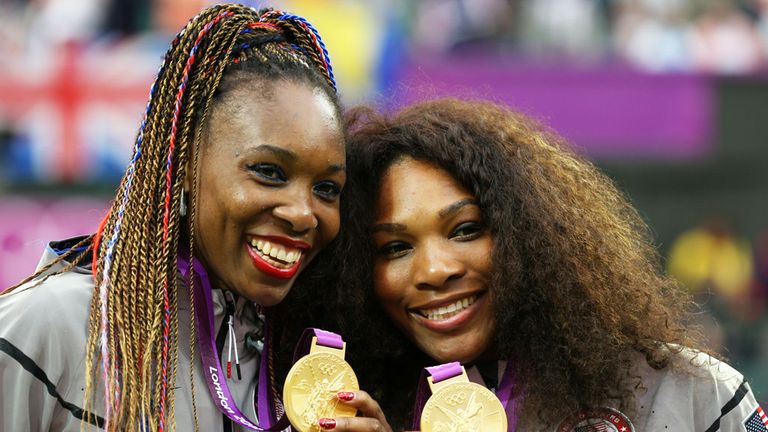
x: 267, y: 268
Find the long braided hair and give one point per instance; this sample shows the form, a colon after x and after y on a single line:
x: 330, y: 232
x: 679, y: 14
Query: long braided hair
x: 133, y: 320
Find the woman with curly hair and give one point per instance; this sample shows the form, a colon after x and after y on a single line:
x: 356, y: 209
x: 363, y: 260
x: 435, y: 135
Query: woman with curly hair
x: 473, y: 235
x: 232, y: 192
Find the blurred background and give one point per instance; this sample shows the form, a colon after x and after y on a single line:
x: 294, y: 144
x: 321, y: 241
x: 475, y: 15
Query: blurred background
x: 669, y: 97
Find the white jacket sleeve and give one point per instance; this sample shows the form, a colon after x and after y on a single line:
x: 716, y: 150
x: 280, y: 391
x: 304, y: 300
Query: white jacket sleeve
x: 706, y: 396
x: 42, y: 348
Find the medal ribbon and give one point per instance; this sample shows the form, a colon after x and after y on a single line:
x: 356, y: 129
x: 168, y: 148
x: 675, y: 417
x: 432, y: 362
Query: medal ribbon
x: 324, y: 338
x: 449, y: 370
x: 212, y: 370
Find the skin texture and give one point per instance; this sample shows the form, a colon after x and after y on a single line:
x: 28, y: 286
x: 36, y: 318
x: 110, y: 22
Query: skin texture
x: 262, y: 179
x: 432, y: 250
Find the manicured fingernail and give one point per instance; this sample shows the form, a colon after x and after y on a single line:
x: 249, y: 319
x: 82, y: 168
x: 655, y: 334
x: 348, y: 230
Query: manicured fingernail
x: 327, y: 423
x: 345, y: 396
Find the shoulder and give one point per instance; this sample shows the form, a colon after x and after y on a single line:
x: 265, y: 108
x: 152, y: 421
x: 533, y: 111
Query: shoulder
x: 701, y: 370
x: 695, y: 392
x: 47, y: 320
x: 52, y: 300
x: 43, y: 333
x: 48, y: 305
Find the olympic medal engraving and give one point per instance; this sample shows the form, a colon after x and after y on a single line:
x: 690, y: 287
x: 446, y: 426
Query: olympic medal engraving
x: 310, y: 390
x: 463, y: 407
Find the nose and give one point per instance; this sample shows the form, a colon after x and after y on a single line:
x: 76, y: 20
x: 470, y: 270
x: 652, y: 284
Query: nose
x: 436, y: 264
x: 296, y: 209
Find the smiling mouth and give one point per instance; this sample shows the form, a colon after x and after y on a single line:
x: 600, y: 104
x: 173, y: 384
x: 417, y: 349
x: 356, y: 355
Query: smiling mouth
x: 277, y: 255
x: 448, y: 311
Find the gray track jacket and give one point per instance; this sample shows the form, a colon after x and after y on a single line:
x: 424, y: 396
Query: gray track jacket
x: 43, y: 333
x: 699, y: 394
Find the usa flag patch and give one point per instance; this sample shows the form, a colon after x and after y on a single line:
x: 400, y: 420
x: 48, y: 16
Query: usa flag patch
x: 757, y: 422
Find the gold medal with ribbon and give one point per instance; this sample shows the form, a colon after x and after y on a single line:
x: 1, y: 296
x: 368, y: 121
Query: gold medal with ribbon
x: 459, y: 405
x: 309, y: 393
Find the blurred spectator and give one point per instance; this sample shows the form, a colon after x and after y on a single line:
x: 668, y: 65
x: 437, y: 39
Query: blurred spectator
x: 711, y: 259
x: 53, y: 23
x: 168, y: 16
x: 760, y: 9
x: 725, y: 41
x: 654, y: 35
x: 440, y: 26
x: 573, y: 29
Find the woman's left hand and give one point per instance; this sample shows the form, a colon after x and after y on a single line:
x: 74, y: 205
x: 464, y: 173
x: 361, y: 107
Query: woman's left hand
x: 372, y: 419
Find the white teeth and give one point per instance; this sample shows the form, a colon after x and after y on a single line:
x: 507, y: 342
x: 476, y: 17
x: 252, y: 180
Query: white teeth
x: 445, y: 312
x: 276, y: 254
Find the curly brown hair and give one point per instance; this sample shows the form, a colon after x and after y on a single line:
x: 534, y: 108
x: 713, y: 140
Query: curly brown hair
x: 577, y: 283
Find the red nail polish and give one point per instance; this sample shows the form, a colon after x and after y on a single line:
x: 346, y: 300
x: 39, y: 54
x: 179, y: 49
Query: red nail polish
x: 345, y: 396
x: 327, y: 423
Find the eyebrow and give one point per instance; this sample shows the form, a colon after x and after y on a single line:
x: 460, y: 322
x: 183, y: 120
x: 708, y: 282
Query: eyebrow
x: 288, y: 155
x: 277, y: 151
x: 446, y: 212
x: 455, y: 207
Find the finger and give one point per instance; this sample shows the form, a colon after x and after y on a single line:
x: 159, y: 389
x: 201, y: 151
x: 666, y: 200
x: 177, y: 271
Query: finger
x: 353, y: 424
x: 362, y: 401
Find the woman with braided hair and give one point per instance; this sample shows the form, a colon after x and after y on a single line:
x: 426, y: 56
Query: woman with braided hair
x: 473, y: 235
x: 232, y: 191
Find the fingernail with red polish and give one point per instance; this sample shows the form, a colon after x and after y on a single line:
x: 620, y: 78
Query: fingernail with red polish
x: 327, y: 423
x: 345, y: 396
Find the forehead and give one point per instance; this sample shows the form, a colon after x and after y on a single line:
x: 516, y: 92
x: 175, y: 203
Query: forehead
x: 415, y: 188
x: 281, y: 112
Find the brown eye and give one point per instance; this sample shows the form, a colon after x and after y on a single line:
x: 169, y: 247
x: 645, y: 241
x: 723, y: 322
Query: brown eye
x: 269, y: 172
x: 467, y: 231
x: 394, y: 249
x: 327, y: 190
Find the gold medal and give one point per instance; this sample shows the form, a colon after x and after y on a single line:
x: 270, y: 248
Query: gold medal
x: 310, y: 389
x: 458, y: 405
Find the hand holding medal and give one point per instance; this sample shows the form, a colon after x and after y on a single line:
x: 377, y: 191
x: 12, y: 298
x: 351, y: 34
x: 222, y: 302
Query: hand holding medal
x: 310, y: 389
x: 457, y: 404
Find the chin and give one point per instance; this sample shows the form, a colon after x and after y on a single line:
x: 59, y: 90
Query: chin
x: 267, y: 298
x: 447, y: 355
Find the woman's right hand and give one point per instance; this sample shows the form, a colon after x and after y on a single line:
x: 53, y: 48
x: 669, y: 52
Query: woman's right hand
x: 372, y: 419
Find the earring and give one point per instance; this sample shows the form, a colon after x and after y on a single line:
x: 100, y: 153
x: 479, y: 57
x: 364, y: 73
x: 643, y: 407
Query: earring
x: 183, y: 206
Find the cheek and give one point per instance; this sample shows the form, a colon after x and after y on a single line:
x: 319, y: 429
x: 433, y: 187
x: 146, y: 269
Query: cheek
x: 218, y: 211
x: 388, y: 283
x: 485, y: 257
